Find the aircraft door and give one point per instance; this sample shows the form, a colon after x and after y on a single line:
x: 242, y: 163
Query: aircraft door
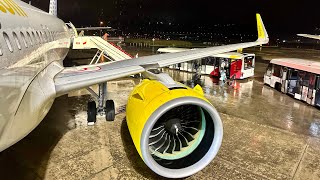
x: 203, y: 65
x: 233, y: 68
x: 299, y: 85
x: 227, y: 68
x: 216, y: 67
x: 305, y: 86
x: 311, y: 90
x: 267, y: 75
x: 292, y: 81
x: 284, y: 83
x: 317, y: 93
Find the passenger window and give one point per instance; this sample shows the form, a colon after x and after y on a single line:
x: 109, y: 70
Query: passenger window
x: 15, y: 37
x: 43, y: 37
x: 24, y: 39
x: 38, y: 37
x: 312, y: 81
x: 293, y: 75
x: 46, y: 35
x: 306, y: 79
x: 34, y: 38
x: 248, y: 62
x: 269, y: 70
x: 277, y: 70
x: 301, y: 77
x: 318, y: 83
x: 6, y: 38
x: 49, y: 35
x: 29, y: 38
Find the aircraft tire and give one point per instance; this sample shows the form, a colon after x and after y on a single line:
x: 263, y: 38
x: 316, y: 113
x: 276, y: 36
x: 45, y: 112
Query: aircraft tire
x: 110, y: 110
x: 92, y: 112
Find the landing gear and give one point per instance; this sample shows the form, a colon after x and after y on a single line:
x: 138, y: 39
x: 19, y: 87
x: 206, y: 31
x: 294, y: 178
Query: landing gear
x: 110, y: 111
x: 91, y: 113
x: 104, y: 108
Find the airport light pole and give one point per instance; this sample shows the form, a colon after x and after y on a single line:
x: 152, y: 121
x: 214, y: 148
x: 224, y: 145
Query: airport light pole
x: 153, y: 39
x: 101, y: 24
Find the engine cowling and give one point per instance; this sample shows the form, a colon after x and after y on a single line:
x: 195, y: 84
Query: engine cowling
x: 176, y: 131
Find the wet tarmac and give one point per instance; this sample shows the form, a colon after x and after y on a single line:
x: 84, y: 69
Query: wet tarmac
x: 267, y: 135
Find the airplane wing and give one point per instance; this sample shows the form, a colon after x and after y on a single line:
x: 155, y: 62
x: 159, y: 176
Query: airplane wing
x: 75, y: 78
x: 310, y: 36
x: 93, y: 28
x: 172, y: 50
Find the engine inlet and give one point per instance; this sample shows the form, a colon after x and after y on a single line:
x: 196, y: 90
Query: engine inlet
x: 178, y: 132
x: 181, y: 137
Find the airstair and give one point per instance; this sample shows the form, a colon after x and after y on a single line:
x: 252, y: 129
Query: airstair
x: 106, y: 49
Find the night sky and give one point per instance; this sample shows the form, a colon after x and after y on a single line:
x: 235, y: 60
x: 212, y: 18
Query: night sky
x: 281, y: 18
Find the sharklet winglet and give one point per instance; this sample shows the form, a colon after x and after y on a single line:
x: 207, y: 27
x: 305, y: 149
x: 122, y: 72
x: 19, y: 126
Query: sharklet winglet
x: 262, y: 32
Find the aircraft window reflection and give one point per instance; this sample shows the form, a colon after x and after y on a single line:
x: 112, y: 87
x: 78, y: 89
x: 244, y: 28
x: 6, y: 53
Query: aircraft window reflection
x: 45, y: 36
x: 42, y: 36
x: 15, y: 37
x: 38, y: 37
x: 6, y: 38
x: 23, y: 37
x: 29, y: 38
x: 48, y: 35
x: 34, y: 38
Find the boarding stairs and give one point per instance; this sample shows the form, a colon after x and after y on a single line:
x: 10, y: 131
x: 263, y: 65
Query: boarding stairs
x: 107, y: 49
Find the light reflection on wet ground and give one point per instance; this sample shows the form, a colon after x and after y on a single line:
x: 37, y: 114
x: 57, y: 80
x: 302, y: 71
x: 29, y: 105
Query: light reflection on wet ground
x: 267, y: 135
x: 252, y: 100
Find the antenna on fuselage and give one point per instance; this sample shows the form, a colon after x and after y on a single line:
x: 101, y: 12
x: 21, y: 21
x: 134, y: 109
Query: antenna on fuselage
x: 53, y: 7
x: 29, y: 2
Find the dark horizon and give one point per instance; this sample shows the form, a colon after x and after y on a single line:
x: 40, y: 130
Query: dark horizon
x: 282, y: 19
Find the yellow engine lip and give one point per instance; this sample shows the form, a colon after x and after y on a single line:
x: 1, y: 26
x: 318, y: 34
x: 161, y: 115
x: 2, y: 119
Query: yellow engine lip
x: 188, y: 171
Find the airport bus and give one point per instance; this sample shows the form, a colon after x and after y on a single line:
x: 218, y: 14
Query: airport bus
x: 237, y: 65
x: 296, y: 77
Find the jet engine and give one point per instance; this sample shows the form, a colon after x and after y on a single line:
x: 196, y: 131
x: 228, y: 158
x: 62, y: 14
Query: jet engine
x: 176, y: 131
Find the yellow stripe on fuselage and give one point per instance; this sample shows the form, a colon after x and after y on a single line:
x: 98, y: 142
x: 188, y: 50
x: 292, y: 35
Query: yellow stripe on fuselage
x: 11, y: 7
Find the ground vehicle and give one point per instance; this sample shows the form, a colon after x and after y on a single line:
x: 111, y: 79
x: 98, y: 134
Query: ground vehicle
x: 239, y: 65
x: 297, y: 77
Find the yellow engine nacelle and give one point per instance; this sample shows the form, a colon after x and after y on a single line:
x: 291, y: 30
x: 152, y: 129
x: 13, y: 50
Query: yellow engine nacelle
x: 176, y: 131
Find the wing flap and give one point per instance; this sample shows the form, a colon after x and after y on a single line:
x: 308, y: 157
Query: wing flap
x: 71, y: 79
x: 201, y: 53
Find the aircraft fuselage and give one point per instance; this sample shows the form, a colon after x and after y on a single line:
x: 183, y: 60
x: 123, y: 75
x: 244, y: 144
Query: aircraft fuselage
x: 33, y: 45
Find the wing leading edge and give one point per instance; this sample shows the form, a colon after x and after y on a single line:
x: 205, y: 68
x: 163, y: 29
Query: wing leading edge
x: 75, y: 78
x: 310, y: 36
